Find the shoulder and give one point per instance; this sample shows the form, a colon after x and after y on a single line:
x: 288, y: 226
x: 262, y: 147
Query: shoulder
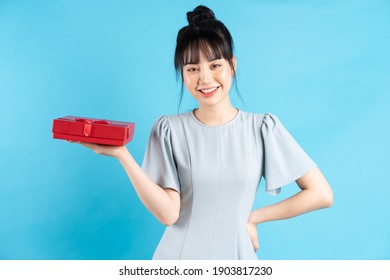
x: 259, y: 119
x: 166, y: 123
x: 173, y: 120
x: 270, y: 120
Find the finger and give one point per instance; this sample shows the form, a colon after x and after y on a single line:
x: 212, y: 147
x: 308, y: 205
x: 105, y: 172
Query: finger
x: 256, y: 246
x: 94, y: 147
x: 255, y: 243
x: 73, y: 142
x: 87, y: 145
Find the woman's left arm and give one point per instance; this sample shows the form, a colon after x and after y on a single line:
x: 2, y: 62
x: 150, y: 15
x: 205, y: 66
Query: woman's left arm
x: 315, y: 194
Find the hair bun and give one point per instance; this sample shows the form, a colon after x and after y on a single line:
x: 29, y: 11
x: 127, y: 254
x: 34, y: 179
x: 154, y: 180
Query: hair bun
x: 199, y: 15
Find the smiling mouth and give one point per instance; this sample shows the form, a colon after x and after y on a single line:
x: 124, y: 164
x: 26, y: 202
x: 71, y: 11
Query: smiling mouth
x: 209, y: 91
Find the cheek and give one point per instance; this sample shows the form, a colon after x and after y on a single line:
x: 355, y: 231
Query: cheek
x: 189, y: 81
x: 226, y: 77
x: 189, y: 84
x: 186, y: 79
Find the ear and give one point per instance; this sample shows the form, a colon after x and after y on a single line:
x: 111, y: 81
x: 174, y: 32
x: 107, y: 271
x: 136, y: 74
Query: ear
x: 234, y: 60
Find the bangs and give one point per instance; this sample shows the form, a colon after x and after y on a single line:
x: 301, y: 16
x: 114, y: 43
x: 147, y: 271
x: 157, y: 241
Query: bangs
x: 193, y: 43
x: 210, y: 49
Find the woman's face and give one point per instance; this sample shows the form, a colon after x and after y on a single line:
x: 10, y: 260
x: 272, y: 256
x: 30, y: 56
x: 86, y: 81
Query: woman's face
x: 209, y: 82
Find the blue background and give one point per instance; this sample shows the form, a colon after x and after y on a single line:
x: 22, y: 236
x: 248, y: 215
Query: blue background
x: 321, y: 66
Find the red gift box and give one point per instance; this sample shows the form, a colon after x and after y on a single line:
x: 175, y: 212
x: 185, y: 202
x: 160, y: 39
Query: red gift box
x: 89, y: 130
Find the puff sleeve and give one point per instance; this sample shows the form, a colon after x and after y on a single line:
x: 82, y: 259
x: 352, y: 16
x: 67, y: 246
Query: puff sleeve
x: 159, y: 163
x: 284, y: 160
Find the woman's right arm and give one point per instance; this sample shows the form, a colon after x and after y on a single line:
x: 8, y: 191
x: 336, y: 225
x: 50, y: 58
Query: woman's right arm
x: 163, y: 203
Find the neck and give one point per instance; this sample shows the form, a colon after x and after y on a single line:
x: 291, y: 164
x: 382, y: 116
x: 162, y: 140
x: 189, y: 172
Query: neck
x: 216, y: 115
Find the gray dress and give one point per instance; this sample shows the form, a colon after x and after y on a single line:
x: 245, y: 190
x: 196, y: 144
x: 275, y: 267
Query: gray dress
x: 217, y: 170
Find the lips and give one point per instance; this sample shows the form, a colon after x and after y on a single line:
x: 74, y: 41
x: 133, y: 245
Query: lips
x: 208, y: 91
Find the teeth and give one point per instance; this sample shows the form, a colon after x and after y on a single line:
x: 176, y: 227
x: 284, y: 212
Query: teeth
x: 208, y: 90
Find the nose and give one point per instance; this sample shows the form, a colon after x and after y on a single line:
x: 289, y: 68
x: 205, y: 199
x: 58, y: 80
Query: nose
x: 205, y: 76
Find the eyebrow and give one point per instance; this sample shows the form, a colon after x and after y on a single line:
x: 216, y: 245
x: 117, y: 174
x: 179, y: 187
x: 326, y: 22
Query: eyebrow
x: 211, y: 60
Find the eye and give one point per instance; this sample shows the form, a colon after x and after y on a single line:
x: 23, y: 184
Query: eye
x: 191, y: 69
x: 215, y: 65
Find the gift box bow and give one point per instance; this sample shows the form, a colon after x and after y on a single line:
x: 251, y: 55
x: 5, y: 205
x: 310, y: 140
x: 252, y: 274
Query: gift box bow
x: 88, y: 124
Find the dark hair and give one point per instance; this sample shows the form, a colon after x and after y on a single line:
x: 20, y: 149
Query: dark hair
x: 203, y: 33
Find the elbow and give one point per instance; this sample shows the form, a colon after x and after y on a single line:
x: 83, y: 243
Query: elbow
x: 170, y: 219
x: 168, y: 223
x: 327, y: 199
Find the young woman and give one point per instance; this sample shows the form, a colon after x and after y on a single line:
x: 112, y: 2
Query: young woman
x: 202, y: 169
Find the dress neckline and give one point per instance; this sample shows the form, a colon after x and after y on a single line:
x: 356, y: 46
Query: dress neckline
x: 215, y: 126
